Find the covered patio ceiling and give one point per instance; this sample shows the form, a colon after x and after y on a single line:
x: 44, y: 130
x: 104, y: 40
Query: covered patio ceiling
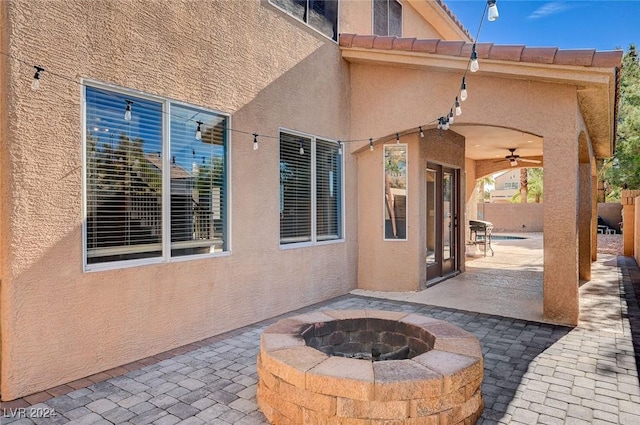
x: 489, y: 143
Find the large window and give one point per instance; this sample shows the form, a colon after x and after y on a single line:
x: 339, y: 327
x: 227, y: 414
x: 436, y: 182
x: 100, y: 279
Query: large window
x: 321, y: 15
x: 387, y: 17
x: 310, y: 189
x: 155, y: 187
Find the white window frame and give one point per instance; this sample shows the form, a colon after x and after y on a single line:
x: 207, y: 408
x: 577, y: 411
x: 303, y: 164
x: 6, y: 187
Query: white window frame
x: 314, y: 237
x: 166, y: 181
x: 373, y: 17
x: 309, y: 26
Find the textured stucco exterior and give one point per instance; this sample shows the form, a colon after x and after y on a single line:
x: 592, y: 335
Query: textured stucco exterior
x: 65, y: 324
x: 267, y: 71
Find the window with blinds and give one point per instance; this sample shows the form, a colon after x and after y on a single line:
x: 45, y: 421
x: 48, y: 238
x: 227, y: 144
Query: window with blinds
x: 310, y: 189
x: 153, y: 188
x: 387, y: 18
x: 321, y: 15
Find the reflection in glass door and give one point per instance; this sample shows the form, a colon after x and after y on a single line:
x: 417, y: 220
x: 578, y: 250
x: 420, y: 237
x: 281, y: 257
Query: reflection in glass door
x: 441, y: 221
x: 449, y: 219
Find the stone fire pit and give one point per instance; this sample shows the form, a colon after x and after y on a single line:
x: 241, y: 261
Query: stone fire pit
x: 369, y: 367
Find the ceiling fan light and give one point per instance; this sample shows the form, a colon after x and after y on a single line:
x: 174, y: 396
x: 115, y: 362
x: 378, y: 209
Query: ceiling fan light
x: 513, y: 162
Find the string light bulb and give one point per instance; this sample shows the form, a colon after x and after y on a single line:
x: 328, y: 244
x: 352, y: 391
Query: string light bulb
x: 371, y: 145
x: 445, y: 123
x: 450, y: 116
x: 439, y: 126
x: 397, y: 138
x: 463, y: 89
x: 458, y: 108
x: 339, y: 147
x: 255, y: 141
x: 493, y: 10
x: 301, y: 148
x: 474, y: 67
x: 127, y: 111
x: 421, y: 132
x: 35, y: 84
x: 199, y: 130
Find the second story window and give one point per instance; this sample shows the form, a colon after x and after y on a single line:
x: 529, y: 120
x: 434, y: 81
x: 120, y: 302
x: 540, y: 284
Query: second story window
x: 387, y: 17
x: 322, y: 15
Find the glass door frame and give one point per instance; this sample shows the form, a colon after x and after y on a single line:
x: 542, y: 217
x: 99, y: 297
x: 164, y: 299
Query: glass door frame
x: 440, y: 266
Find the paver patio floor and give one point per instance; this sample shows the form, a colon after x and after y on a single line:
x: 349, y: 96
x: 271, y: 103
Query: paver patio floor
x: 534, y: 372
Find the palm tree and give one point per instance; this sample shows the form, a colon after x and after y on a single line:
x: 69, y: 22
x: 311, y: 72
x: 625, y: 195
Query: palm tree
x: 533, y: 181
x: 482, y: 183
x: 524, y: 186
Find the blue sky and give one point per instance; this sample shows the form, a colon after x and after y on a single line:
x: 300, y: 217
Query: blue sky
x: 573, y: 24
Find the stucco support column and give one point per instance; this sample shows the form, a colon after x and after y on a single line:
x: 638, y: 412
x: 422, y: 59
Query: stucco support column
x: 628, y: 221
x: 561, y: 303
x: 584, y: 222
x: 594, y: 220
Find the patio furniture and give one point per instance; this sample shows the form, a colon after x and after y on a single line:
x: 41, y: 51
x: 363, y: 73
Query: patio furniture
x: 481, y: 234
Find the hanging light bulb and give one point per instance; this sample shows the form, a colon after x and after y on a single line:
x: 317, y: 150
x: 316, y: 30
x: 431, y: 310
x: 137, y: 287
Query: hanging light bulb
x: 35, y: 84
x: 127, y: 111
x: 445, y: 123
x: 301, y: 148
x: 450, y: 116
x: 421, y: 132
x: 199, y: 130
x: 339, y: 147
x: 493, y: 10
x: 463, y: 90
x: 440, y: 124
x: 255, y: 141
x: 397, y: 138
x: 371, y: 145
x: 474, y: 67
x: 458, y: 108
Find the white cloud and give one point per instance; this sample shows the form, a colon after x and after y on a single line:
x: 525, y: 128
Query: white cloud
x: 549, y: 9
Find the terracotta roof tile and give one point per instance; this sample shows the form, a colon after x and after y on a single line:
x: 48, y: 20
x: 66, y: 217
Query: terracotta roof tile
x: 451, y: 48
x: 383, y: 43
x: 425, y: 45
x: 345, y: 40
x: 364, y: 41
x: 539, y: 54
x: 516, y: 53
x: 574, y: 57
x: 482, y: 49
x: 403, y: 43
x: 506, y: 53
x: 607, y: 59
x: 454, y: 18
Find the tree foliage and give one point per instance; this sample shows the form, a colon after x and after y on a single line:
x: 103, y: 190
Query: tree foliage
x: 623, y: 170
x: 534, y: 186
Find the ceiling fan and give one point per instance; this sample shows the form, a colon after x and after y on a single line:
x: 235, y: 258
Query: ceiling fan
x: 513, y: 158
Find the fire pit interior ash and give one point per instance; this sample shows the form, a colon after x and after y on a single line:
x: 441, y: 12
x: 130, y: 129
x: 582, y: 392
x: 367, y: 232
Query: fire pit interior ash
x: 356, y: 366
x: 368, y: 338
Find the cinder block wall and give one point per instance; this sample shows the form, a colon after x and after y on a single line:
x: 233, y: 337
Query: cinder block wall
x: 636, y: 232
x: 512, y: 217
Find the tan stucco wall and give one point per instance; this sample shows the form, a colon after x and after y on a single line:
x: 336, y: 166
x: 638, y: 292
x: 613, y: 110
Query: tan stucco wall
x: 60, y: 324
x: 627, y: 198
x: 399, y: 265
x: 508, y: 217
x: 356, y: 17
x: 611, y: 213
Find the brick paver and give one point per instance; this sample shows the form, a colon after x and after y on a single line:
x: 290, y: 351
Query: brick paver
x: 534, y: 372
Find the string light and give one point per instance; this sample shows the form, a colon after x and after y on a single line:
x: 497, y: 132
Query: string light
x: 127, y: 111
x: 474, y: 67
x: 35, y: 84
x: 493, y: 10
x: 199, y: 130
x: 443, y: 121
x: 463, y: 89
x: 397, y: 138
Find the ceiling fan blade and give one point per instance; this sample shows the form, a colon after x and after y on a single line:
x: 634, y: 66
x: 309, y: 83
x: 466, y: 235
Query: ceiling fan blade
x: 533, y: 161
